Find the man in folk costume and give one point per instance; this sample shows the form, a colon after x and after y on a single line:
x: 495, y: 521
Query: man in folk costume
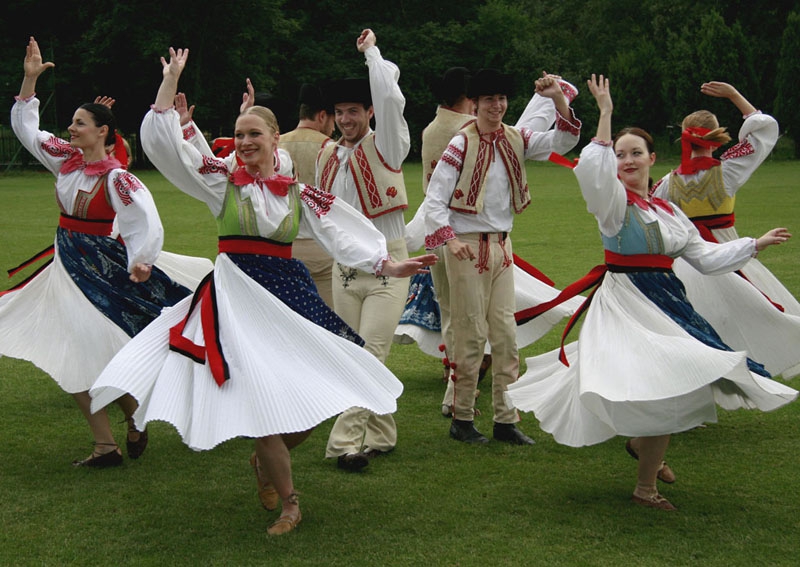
x: 477, y: 186
x: 364, y: 169
x: 312, y: 134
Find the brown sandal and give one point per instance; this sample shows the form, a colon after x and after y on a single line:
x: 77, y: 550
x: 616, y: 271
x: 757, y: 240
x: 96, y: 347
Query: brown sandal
x: 137, y: 447
x: 286, y: 523
x: 655, y: 501
x: 266, y: 490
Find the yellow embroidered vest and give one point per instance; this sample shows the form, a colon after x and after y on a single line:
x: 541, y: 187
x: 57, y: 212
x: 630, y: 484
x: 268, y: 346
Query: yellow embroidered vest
x: 704, y: 198
x: 435, y: 138
x: 304, y: 145
x: 468, y: 194
x: 381, y: 189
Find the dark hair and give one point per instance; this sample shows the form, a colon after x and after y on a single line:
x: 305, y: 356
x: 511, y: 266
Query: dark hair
x: 308, y: 112
x: 102, y: 116
x: 644, y: 135
x: 636, y: 131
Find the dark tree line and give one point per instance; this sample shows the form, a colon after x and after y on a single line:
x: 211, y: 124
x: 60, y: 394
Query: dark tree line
x: 657, y: 53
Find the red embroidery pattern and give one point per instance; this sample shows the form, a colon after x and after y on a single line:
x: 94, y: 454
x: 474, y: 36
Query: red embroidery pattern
x: 57, y: 147
x: 742, y: 149
x: 454, y: 157
x: 212, y: 165
x: 439, y: 237
x: 391, y: 192
x: 317, y: 200
x: 512, y: 165
x: 330, y: 170
x: 485, y: 153
x: 458, y: 194
x: 526, y: 138
x: 125, y: 184
x: 566, y: 126
x: 189, y: 132
x: 369, y: 180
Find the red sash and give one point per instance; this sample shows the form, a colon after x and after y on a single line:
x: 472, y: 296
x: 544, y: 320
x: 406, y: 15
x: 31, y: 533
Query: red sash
x: 614, y: 262
x: 205, y: 294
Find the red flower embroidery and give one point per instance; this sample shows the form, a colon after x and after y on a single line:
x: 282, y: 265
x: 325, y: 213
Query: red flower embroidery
x: 391, y: 192
x: 458, y: 194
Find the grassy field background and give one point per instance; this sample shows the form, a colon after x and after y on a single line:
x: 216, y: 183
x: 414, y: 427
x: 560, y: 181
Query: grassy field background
x: 433, y: 501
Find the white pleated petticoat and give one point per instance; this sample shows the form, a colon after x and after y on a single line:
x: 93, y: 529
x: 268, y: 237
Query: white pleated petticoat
x: 287, y: 374
x: 635, y: 372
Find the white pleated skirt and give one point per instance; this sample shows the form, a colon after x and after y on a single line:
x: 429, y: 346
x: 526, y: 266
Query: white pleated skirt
x: 635, y: 372
x: 50, y: 323
x: 287, y: 374
x: 744, y: 318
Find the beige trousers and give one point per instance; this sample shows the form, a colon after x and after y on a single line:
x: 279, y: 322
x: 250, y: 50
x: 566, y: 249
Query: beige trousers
x: 319, y: 264
x: 372, y: 306
x: 482, y: 305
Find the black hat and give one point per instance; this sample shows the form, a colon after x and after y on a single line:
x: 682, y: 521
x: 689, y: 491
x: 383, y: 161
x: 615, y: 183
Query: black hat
x: 490, y: 82
x: 313, y: 97
x: 452, y: 85
x: 350, y: 90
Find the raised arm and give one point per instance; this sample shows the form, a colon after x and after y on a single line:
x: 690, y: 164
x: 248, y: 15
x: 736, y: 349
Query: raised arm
x: 602, y: 94
x: 724, y: 90
x: 171, y: 72
x: 33, y: 67
x: 391, y: 129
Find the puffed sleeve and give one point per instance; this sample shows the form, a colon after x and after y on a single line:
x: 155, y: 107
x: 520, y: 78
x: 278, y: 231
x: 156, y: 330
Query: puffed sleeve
x: 137, y: 217
x: 345, y: 234
x: 711, y: 258
x: 438, y: 229
x: 604, y: 194
x: 757, y: 136
x: 391, y: 129
x: 202, y: 176
x: 561, y: 139
x: 48, y: 149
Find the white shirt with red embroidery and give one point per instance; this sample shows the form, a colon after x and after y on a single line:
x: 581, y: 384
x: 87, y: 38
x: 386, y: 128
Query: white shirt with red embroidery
x: 757, y: 136
x: 341, y: 230
x: 442, y: 224
x: 137, y: 216
x: 391, y: 138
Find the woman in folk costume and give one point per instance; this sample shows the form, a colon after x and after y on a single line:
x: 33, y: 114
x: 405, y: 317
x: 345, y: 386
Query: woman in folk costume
x: 75, y: 313
x: 751, y: 309
x: 224, y: 148
x: 646, y: 364
x: 255, y: 352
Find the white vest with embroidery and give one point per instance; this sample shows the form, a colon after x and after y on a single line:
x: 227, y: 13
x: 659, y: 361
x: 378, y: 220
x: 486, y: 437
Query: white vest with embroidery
x: 381, y: 189
x: 468, y: 194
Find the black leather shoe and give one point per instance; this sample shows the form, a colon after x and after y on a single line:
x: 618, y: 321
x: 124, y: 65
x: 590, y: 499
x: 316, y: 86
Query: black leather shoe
x: 465, y: 431
x: 508, y: 433
x: 111, y: 459
x: 136, y: 448
x: 354, y: 462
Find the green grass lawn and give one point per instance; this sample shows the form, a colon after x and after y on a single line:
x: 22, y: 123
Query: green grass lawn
x: 433, y: 501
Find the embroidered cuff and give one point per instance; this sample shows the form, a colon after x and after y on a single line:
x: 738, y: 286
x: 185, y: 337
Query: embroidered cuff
x: 607, y: 143
x: 755, y: 248
x: 440, y: 237
x: 160, y: 110
x: 746, y: 116
x: 570, y: 91
x: 571, y: 125
x: 378, y: 268
x: 28, y: 99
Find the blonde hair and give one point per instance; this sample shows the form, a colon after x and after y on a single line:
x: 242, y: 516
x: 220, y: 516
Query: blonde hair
x: 266, y: 115
x: 706, y: 119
